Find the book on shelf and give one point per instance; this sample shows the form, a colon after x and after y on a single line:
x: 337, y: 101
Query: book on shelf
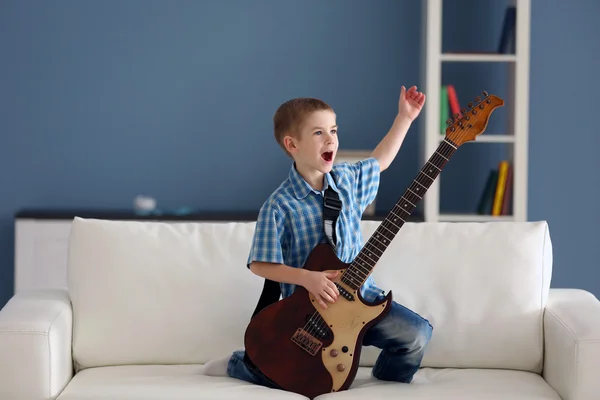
x: 496, y: 197
x: 506, y: 44
x: 449, y: 107
x: 444, y: 109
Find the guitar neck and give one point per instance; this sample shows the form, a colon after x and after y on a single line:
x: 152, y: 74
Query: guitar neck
x: 364, y: 263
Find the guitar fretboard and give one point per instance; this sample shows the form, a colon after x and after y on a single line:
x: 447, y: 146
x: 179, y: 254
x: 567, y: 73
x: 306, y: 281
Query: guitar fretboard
x: 362, y: 266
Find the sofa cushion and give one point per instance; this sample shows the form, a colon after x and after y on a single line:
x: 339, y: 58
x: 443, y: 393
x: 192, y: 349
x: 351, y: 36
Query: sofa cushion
x: 482, y: 286
x: 450, y: 384
x: 180, y: 293
x: 161, y: 382
x: 186, y: 382
x: 158, y: 293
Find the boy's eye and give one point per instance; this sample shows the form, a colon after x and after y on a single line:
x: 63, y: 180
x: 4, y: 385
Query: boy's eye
x: 318, y: 132
x: 333, y: 131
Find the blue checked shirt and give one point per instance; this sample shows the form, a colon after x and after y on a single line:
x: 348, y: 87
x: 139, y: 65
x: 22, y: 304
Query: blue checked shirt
x: 290, y: 222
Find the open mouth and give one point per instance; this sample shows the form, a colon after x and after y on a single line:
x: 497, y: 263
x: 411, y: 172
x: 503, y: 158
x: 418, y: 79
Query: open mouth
x: 327, y: 156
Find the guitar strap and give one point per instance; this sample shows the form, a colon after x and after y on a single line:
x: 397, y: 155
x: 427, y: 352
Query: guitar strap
x: 332, y: 205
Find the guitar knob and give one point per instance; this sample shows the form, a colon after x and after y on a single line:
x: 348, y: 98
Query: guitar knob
x: 341, y: 367
x: 333, y: 353
x: 485, y: 93
x: 470, y: 105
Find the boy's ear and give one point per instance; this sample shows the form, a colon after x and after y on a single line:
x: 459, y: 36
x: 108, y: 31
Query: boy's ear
x: 290, y: 143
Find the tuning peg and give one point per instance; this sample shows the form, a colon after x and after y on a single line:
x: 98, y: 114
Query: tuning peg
x: 456, y: 115
x: 462, y: 110
x: 470, y: 105
x: 449, y: 121
x: 477, y: 99
x: 485, y: 93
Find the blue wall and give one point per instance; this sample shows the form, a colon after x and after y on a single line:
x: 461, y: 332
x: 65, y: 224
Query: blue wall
x: 100, y: 102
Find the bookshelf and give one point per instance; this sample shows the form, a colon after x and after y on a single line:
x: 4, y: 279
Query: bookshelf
x: 516, y: 123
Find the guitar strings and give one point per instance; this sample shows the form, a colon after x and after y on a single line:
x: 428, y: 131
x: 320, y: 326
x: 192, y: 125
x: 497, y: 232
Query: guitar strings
x: 316, y: 321
x: 357, y: 274
x: 357, y: 271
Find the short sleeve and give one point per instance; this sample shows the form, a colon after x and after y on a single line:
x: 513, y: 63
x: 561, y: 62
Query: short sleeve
x: 366, y: 175
x: 268, y: 236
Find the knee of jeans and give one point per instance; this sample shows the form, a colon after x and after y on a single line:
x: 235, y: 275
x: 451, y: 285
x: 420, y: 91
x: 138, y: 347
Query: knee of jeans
x: 423, y: 335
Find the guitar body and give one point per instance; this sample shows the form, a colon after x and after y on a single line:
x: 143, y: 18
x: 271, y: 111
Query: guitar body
x: 309, y: 350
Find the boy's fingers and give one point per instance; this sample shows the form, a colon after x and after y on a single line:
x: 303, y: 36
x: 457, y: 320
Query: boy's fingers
x: 327, y: 297
x: 331, y: 292
x: 322, y: 302
x: 334, y: 288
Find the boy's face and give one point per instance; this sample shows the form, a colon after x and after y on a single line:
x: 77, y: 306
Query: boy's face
x: 317, y: 143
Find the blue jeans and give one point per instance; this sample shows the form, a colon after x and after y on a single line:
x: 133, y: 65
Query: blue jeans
x: 402, y: 336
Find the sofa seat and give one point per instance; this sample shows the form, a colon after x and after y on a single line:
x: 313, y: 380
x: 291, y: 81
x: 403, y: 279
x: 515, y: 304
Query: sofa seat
x: 451, y: 384
x: 160, y: 382
x: 188, y: 382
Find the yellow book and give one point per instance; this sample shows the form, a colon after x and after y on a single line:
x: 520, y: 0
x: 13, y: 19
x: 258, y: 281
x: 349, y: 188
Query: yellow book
x: 500, y: 187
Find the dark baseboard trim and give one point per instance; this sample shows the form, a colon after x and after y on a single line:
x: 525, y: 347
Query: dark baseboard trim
x: 117, y: 214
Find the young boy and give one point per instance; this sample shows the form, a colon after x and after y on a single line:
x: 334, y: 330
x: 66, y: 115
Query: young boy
x: 290, y: 225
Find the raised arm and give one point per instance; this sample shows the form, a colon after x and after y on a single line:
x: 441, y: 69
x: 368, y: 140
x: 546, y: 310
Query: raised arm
x: 409, y: 106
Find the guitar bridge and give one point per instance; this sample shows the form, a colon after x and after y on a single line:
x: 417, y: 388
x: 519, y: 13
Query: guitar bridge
x: 306, y: 341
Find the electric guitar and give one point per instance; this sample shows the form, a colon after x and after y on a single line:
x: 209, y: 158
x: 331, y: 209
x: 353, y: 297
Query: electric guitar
x: 309, y: 350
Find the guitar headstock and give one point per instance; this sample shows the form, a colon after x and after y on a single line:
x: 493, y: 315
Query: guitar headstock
x: 472, y: 122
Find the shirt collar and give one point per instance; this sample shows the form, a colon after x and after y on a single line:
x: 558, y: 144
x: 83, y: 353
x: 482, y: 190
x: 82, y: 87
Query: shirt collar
x: 302, y: 188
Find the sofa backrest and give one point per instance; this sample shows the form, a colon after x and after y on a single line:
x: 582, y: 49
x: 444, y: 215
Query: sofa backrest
x: 180, y: 292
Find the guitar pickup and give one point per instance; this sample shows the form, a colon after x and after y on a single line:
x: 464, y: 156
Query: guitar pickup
x: 344, y: 293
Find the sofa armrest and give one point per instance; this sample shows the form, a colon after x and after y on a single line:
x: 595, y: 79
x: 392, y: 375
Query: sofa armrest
x: 572, y: 344
x: 35, y: 345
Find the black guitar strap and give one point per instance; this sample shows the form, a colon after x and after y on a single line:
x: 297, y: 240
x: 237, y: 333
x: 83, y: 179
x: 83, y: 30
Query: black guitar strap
x: 332, y: 205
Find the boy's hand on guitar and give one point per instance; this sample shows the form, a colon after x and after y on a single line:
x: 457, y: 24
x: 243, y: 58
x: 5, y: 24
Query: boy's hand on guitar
x: 319, y: 284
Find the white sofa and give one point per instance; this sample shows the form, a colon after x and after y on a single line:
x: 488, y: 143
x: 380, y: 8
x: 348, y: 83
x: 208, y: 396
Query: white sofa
x: 153, y: 310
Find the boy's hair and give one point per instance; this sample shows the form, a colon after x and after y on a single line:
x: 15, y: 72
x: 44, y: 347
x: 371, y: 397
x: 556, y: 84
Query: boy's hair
x: 289, y: 117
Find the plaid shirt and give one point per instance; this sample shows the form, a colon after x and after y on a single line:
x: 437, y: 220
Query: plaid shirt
x: 290, y: 222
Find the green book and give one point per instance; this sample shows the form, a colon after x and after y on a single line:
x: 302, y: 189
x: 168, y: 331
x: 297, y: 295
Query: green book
x: 487, y: 197
x: 444, y: 109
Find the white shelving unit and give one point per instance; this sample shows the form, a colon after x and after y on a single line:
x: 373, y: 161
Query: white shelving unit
x: 517, y: 103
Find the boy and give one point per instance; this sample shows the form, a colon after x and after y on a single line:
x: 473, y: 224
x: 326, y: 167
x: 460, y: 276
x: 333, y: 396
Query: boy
x: 290, y: 225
